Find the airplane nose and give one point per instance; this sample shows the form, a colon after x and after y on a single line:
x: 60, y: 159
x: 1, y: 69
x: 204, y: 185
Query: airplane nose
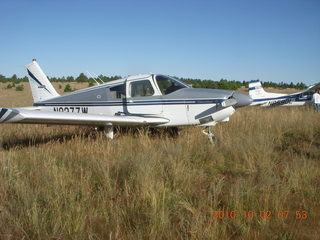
x: 242, y: 99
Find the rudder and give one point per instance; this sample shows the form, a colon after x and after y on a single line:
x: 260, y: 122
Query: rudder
x: 256, y: 90
x: 40, y: 85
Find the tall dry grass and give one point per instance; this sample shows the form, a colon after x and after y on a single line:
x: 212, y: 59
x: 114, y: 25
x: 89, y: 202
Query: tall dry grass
x: 68, y: 183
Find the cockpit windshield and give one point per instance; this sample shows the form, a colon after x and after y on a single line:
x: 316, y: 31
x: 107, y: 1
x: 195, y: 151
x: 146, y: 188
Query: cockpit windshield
x: 168, y: 85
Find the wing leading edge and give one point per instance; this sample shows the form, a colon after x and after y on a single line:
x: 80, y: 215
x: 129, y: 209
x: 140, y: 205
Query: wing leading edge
x: 312, y: 87
x: 15, y: 115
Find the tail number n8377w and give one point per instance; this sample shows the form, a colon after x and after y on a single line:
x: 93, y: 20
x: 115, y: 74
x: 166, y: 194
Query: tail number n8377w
x: 71, y: 109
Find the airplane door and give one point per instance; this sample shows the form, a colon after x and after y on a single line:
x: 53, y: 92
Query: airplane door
x: 143, y: 98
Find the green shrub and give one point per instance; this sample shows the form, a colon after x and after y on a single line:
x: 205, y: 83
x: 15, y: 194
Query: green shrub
x: 19, y: 87
x: 90, y: 84
x: 67, y: 88
x: 9, y: 86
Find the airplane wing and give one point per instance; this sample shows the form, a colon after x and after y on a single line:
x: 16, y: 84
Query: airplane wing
x: 15, y: 115
x: 313, y: 87
x: 309, y: 89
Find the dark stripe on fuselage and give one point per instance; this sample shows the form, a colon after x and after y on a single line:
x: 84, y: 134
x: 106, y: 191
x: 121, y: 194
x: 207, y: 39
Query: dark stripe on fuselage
x: 252, y: 88
x: 138, y: 103
x: 276, y: 98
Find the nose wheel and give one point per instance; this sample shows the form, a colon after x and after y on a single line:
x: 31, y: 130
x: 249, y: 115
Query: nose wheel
x: 212, y: 138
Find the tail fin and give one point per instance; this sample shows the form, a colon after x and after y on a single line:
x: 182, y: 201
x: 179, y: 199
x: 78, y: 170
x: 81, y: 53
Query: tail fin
x: 41, y: 87
x: 256, y: 90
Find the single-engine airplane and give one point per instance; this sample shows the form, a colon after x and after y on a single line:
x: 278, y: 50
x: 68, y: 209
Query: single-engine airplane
x: 141, y: 100
x: 261, y: 97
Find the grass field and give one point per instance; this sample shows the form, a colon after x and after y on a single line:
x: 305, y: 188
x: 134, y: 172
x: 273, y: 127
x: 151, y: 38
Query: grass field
x: 70, y: 183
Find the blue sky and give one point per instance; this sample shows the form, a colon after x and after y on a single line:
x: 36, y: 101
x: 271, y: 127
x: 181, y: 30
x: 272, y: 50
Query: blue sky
x: 274, y: 40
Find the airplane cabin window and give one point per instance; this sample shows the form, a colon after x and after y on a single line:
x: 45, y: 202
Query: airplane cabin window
x: 168, y: 85
x: 141, y: 88
x: 118, y: 91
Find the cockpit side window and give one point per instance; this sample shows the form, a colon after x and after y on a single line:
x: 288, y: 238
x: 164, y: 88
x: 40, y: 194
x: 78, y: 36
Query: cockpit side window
x: 168, y: 85
x: 118, y: 91
x: 141, y: 88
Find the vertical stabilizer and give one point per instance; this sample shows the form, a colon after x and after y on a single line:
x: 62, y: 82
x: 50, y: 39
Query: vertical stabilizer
x: 40, y: 85
x: 256, y: 90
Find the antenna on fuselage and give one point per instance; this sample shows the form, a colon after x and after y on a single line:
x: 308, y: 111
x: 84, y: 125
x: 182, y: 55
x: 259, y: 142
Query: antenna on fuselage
x: 93, y: 77
x: 98, y: 77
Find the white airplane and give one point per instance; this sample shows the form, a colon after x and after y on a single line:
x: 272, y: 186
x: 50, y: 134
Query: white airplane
x: 261, y: 97
x: 141, y: 100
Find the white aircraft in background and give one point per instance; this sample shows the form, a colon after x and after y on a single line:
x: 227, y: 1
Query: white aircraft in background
x: 263, y: 98
x: 141, y: 100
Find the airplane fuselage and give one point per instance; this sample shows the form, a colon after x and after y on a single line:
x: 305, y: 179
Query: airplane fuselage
x: 285, y: 100
x: 184, y: 106
x: 261, y: 97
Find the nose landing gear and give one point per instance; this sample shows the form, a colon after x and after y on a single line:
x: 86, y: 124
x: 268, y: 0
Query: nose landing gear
x: 212, y: 138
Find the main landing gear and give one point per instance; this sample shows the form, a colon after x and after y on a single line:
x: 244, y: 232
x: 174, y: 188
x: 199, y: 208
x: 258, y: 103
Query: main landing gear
x: 107, y: 130
x: 210, y: 135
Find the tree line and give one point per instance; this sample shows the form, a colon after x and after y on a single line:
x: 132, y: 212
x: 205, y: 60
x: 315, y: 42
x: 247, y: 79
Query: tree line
x: 233, y: 85
x: 196, y: 83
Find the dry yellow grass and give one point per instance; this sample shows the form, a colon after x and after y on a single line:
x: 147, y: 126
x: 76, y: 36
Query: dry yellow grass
x: 69, y: 183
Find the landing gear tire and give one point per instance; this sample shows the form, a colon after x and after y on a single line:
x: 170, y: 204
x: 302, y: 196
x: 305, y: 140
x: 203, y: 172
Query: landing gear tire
x: 107, y: 130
